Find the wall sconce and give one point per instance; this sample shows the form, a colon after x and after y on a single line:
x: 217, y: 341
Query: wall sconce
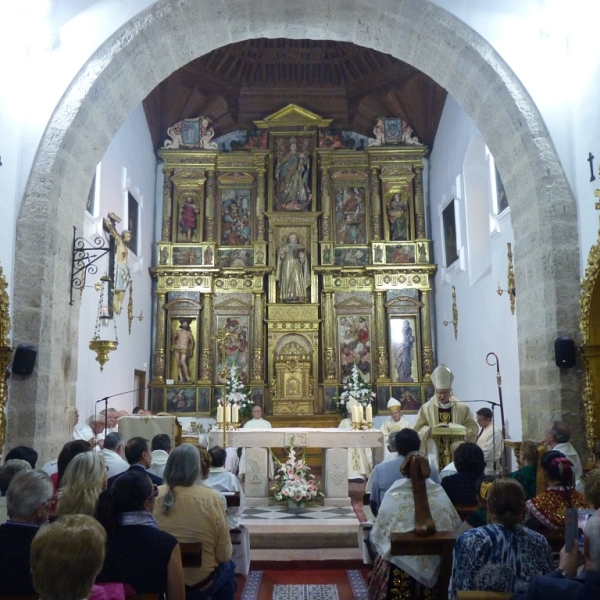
x: 454, y: 314
x: 102, y: 344
x: 512, y: 290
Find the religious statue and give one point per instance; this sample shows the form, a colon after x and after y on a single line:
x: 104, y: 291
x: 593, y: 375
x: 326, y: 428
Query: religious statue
x: 183, y: 345
x: 122, y: 275
x: 398, y: 216
x: 292, y: 190
x: 403, y: 354
x: 379, y: 133
x: 409, y: 138
x: 188, y: 221
x: 292, y: 270
x: 206, y: 134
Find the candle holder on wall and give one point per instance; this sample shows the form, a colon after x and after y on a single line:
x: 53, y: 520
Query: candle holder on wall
x: 454, y: 314
x: 512, y: 290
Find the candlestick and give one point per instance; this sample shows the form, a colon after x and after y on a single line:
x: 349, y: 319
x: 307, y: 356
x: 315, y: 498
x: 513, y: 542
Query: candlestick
x: 369, y: 412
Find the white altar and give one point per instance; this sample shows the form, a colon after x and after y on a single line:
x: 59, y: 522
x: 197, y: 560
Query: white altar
x: 334, y: 442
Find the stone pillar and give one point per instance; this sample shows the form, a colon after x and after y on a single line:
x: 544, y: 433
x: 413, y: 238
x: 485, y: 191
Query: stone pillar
x: 426, y: 333
x: 161, y: 328
x: 209, y: 207
x: 335, y: 476
x: 375, y: 204
x: 383, y: 368
x: 206, y: 360
x: 329, y: 368
x: 258, y: 361
x: 167, y: 205
x: 419, y: 204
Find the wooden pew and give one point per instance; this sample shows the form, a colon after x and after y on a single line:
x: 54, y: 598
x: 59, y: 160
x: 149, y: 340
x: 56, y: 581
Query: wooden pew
x: 191, y: 554
x: 440, y: 543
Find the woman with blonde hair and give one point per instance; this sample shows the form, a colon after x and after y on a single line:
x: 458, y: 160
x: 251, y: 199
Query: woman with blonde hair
x: 82, y: 483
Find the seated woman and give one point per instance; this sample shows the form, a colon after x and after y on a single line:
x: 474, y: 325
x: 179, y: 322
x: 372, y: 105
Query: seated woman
x: 470, y: 465
x: 479, y: 518
x: 137, y: 552
x: 195, y: 513
x: 82, y: 483
x: 412, y: 503
x: 504, y: 555
x: 547, y: 510
x: 526, y: 474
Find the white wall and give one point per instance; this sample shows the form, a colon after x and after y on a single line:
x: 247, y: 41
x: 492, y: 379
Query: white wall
x: 130, y: 152
x: 485, y: 323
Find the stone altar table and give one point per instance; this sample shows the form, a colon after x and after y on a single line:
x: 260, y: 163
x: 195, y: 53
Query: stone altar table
x: 334, y: 442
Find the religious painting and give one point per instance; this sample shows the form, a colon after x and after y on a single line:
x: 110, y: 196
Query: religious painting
x: 351, y: 257
x: 326, y: 254
x: 183, y: 335
x: 157, y: 400
x: 163, y: 254
x: 204, y: 400
x: 236, y: 217
x: 188, y: 217
x: 400, y: 254
x: 237, y: 347
x: 409, y: 397
x: 181, y: 400
x: 398, y: 215
x: 208, y: 256
x: 354, y: 338
x: 330, y: 395
x: 378, y: 253
x: 133, y: 222
x: 260, y: 254
x: 350, y: 221
x: 404, y: 349
x: 450, y: 239
x: 235, y: 259
x: 392, y: 130
x: 423, y: 252
x: 257, y: 396
x: 383, y: 396
x: 187, y: 255
x: 292, y: 174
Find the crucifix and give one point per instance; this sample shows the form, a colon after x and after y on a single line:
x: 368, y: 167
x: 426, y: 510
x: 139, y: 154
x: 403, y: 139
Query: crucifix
x: 590, y: 159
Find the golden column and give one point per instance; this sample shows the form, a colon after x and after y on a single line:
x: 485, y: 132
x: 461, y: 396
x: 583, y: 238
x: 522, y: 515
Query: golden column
x: 206, y: 363
x: 325, y: 201
x: 329, y: 368
x: 419, y: 204
x: 167, y: 205
x: 383, y: 372
x: 258, y: 361
x: 375, y: 205
x: 426, y: 329
x: 209, y: 209
x: 260, y: 206
x: 159, y: 352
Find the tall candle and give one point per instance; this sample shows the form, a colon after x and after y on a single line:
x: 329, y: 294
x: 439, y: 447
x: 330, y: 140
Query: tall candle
x: 369, y: 414
x: 355, y: 414
x: 219, y: 416
x: 228, y: 414
x: 235, y: 413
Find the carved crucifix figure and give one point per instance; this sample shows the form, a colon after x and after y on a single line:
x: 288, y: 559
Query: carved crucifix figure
x: 122, y: 275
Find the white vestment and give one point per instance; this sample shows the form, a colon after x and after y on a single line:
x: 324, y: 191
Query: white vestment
x: 390, y: 426
x: 159, y: 462
x: 570, y: 452
x: 490, y: 441
x: 115, y: 465
x: 256, y: 424
x: 360, y: 460
x: 449, y: 469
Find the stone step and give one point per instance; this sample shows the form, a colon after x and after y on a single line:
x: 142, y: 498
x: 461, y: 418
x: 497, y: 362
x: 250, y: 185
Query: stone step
x: 270, y: 537
x: 306, y: 559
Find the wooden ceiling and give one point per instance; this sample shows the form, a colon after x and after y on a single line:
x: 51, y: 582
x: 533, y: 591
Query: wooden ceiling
x: 243, y: 82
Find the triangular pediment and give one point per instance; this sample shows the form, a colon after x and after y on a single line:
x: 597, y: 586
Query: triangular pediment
x: 233, y: 303
x: 353, y: 303
x: 292, y: 114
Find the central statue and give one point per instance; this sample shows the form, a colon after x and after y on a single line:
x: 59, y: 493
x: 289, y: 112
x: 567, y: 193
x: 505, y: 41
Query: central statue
x: 292, y: 270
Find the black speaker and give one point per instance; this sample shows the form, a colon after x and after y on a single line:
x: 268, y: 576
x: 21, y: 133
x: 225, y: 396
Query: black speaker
x: 24, y: 359
x: 565, y: 353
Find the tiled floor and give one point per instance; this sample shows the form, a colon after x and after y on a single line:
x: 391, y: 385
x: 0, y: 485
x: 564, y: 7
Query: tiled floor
x: 311, y: 515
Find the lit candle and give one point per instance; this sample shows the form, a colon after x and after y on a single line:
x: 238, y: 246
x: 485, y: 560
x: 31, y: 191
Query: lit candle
x: 369, y: 414
x: 228, y: 414
x: 219, y: 416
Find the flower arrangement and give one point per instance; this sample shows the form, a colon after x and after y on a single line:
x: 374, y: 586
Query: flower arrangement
x: 293, y: 482
x: 238, y: 393
x: 355, y: 387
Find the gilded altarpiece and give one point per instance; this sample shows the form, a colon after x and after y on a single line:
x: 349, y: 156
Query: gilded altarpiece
x: 313, y: 258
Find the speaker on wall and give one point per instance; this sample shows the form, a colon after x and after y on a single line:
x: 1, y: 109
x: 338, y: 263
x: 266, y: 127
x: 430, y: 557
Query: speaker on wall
x: 565, y: 353
x: 24, y: 359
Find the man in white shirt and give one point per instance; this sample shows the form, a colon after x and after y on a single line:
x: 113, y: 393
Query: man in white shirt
x: 256, y: 422
x: 112, y: 453
x: 489, y: 440
x: 222, y: 480
x: 92, y: 432
x: 557, y: 438
x: 396, y: 422
x: 161, y: 448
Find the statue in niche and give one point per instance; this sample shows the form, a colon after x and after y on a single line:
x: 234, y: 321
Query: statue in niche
x: 188, y: 222
x: 398, y: 216
x: 292, y: 191
x: 403, y: 354
x: 122, y: 274
x: 292, y: 270
x: 183, y: 345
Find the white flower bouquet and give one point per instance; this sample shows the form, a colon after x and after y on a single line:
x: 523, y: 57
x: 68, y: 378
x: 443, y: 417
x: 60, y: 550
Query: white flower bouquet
x: 237, y: 393
x: 355, y: 387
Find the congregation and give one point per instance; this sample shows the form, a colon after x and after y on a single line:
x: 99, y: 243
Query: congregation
x: 141, y: 501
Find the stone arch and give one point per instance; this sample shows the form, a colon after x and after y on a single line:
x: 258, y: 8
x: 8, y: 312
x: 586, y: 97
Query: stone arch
x: 171, y: 33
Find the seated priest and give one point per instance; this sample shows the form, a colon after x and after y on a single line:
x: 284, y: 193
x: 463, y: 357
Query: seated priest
x: 444, y: 409
x: 396, y: 422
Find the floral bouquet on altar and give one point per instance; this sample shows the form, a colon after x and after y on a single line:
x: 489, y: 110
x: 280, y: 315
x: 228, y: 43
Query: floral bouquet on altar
x: 355, y: 387
x: 293, y: 482
x: 238, y: 393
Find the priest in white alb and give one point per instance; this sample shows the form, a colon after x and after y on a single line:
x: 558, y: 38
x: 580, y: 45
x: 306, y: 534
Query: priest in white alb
x: 489, y: 439
x: 442, y: 408
x: 256, y: 422
x: 396, y: 422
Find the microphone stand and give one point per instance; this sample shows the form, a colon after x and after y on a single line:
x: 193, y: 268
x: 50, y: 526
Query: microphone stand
x: 105, y: 400
x: 499, y: 383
